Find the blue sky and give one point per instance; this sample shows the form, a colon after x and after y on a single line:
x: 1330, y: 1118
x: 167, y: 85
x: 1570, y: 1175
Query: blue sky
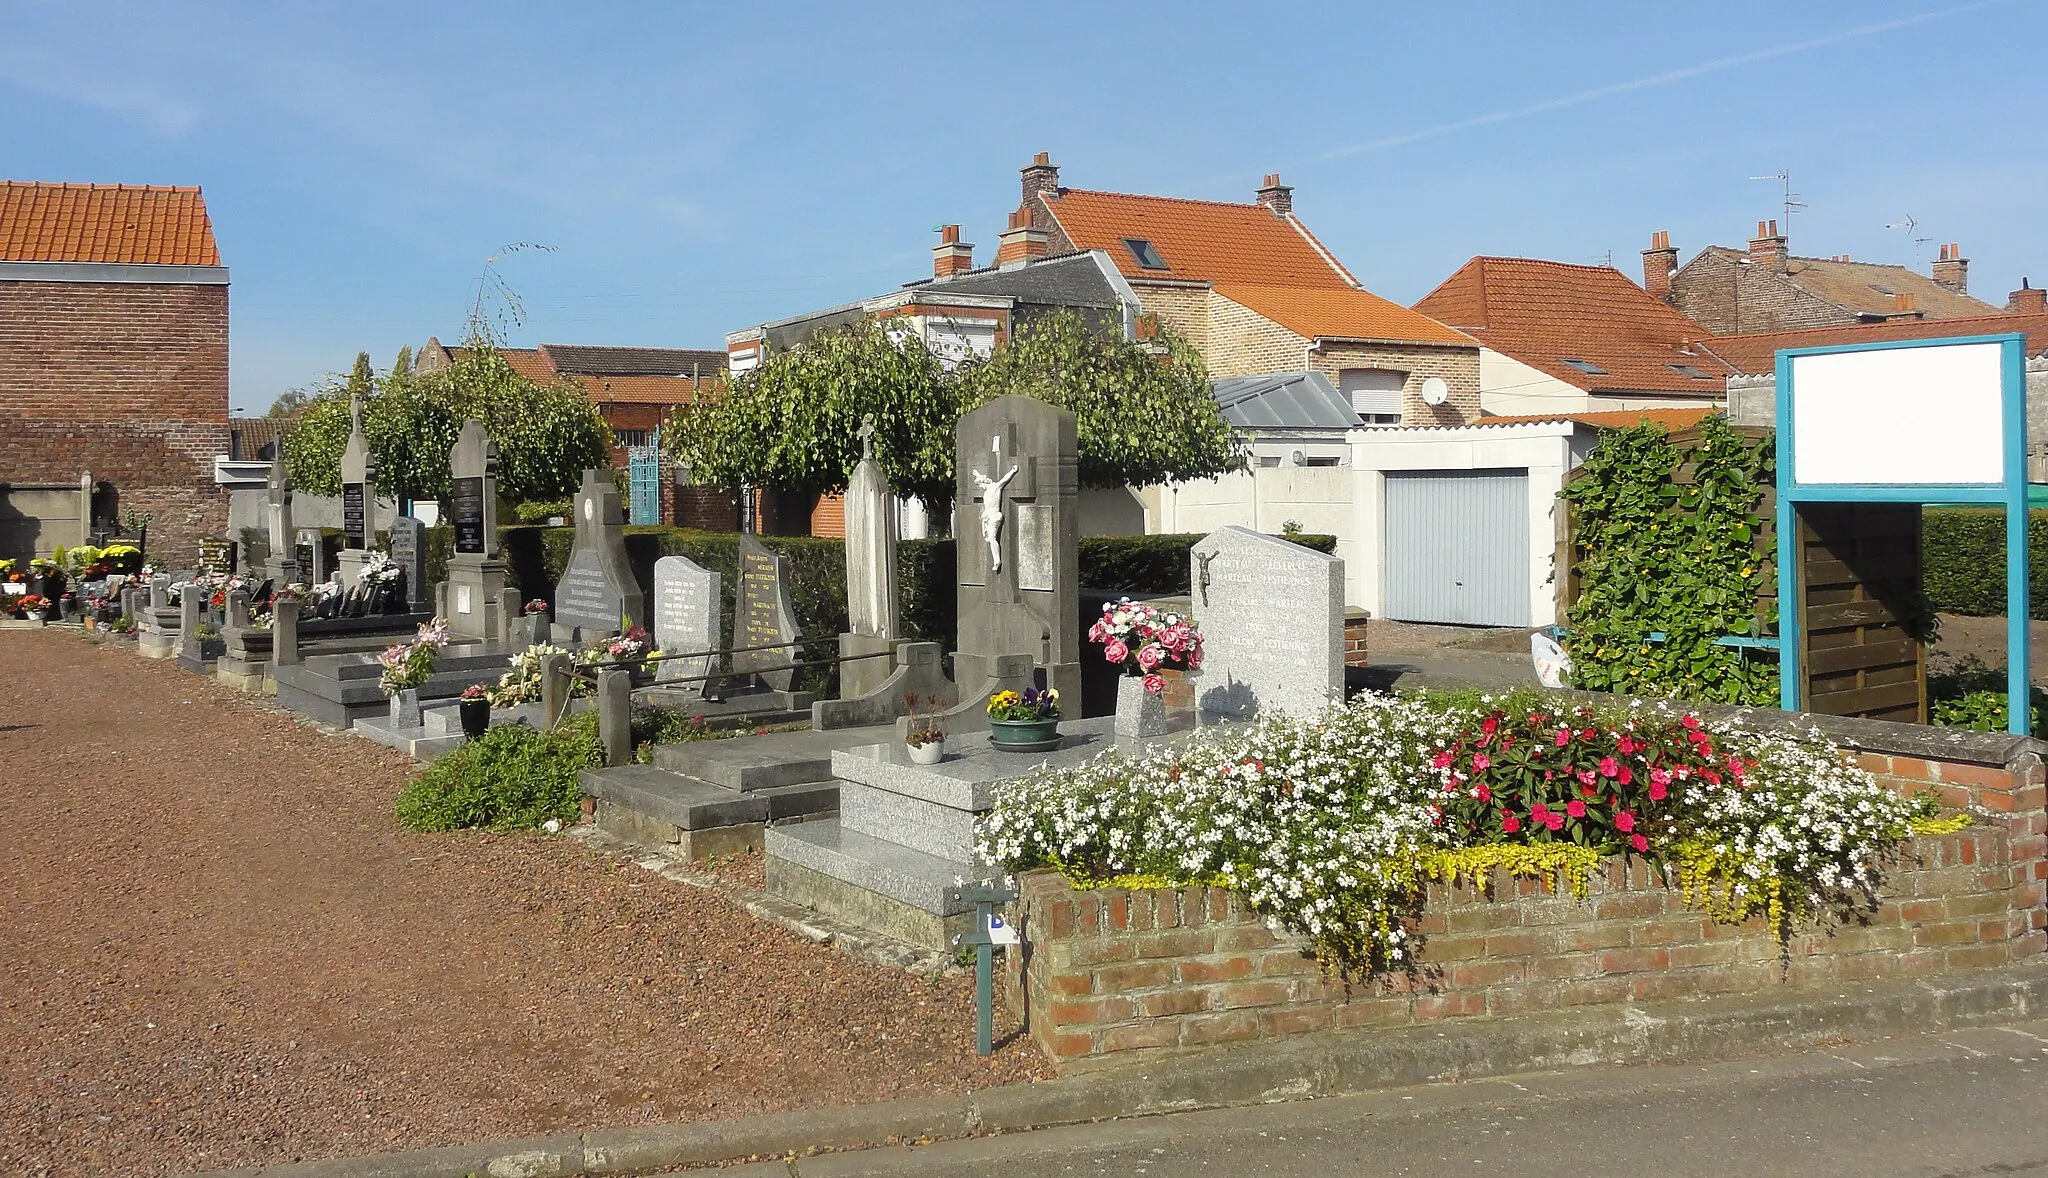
x: 699, y: 168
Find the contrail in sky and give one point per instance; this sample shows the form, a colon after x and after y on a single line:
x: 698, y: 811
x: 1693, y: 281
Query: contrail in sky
x: 1654, y: 80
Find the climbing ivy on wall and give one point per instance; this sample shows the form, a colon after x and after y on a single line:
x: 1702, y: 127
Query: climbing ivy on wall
x: 1667, y: 538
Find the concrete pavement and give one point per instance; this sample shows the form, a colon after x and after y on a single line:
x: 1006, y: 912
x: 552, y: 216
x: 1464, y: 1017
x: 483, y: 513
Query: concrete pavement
x: 1965, y: 1102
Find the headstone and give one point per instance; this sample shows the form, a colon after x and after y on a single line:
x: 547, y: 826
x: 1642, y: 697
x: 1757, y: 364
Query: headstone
x: 1017, y: 529
x: 284, y: 632
x: 409, y: 552
x: 358, y: 490
x: 871, y: 601
x: 1271, y: 613
x: 686, y: 600
x: 597, y: 589
x: 471, y: 597
x: 310, y: 557
x: 762, y: 617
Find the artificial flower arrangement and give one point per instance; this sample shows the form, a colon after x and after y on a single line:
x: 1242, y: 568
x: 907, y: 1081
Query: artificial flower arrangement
x: 521, y: 684
x: 1143, y: 639
x: 379, y: 569
x: 1331, y: 824
x: 32, y: 603
x: 6, y: 567
x: 407, y: 665
x: 1027, y: 706
x: 632, y: 645
x: 538, y: 605
x: 923, y: 728
x: 475, y: 691
x: 119, y: 558
x: 42, y: 566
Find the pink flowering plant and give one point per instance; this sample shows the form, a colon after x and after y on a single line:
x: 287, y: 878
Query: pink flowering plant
x: 1143, y: 640
x: 1557, y: 775
x: 409, y: 664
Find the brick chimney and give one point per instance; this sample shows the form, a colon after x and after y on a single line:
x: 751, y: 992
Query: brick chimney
x: 1767, y: 248
x: 1022, y: 241
x: 951, y: 256
x: 1904, y: 304
x: 1659, y: 263
x: 2028, y: 299
x: 1952, y: 269
x: 1041, y: 176
x: 1277, y: 196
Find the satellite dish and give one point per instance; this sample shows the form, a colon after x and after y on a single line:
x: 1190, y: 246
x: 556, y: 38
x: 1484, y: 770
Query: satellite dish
x: 1435, y: 391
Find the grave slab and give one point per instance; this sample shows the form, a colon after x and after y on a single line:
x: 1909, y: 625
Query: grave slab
x: 1271, y: 614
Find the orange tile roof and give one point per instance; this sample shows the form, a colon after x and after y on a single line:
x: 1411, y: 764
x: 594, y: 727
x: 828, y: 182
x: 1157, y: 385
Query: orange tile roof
x: 105, y: 223
x: 1199, y: 240
x: 527, y: 362
x: 1544, y: 313
x: 1757, y: 353
x: 1670, y: 419
x: 1341, y: 313
x: 639, y: 390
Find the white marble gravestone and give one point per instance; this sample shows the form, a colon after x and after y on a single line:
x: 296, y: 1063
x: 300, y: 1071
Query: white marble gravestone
x: 686, y: 601
x: 1271, y: 614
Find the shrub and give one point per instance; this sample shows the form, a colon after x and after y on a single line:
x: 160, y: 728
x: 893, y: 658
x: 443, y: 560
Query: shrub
x: 1971, y: 695
x: 510, y: 778
x: 1962, y: 552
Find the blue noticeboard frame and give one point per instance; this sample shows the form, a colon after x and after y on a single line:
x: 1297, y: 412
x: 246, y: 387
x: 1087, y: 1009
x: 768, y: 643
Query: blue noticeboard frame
x: 2011, y: 492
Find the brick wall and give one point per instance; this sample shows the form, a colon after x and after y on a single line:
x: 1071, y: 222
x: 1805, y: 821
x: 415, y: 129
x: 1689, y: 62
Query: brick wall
x: 1354, y: 637
x: 126, y: 381
x: 1727, y: 297
x: 1118, y: 970
x: 1459, y: 368
x: 1243, y: 342
x: 1183, y: 308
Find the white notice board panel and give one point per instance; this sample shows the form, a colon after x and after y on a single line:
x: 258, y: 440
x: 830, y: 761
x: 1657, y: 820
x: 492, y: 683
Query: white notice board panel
x: 1903, y: 416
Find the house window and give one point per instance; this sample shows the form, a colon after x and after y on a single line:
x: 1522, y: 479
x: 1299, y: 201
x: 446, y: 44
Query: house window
x: 1269, y: 460
x: 631, y: 437
x: 1145, y: 254
x: 1374, y: 394
x: 1313, y: 461
x: 1585, y: 366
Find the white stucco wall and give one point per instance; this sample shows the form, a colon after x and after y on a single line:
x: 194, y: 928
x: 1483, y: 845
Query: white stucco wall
x: 1508, y: 387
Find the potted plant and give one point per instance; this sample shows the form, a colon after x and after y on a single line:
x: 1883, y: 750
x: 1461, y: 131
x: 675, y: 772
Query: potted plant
x: 407, y: 667
x: 924, y: 739
x: 1027, y: 722
x: 632, y: 647
x: 1144, y: 641
x: 34, y: 606
x: 476, y: 710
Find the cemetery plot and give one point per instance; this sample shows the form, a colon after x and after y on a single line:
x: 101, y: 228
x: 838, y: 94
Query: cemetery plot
x: 224, y: 954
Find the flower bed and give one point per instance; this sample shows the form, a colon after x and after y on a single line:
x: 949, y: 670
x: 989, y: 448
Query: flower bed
x: 1330, y: 826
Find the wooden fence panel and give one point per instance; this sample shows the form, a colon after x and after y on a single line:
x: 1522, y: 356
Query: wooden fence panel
x: 1860, y: 654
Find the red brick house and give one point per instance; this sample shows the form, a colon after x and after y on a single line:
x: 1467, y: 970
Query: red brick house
x: 114, y: 356
x: 1766, y: 288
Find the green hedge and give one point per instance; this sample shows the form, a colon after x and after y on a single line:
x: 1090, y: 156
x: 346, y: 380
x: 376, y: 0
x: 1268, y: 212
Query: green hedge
x: 1153, y: 565
x: 1963, y: 555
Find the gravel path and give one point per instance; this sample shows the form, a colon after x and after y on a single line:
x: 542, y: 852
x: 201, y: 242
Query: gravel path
x: 217, y: 949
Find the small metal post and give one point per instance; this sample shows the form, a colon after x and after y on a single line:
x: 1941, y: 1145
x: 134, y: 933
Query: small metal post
x: 984, y: 896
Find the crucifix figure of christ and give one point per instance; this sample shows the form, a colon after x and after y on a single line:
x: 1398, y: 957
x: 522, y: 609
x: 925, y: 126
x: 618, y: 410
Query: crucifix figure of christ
x: 992, y: 504
x: 867, y: 439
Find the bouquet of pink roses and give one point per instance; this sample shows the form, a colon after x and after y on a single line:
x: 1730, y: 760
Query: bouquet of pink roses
x: 1142, y: 639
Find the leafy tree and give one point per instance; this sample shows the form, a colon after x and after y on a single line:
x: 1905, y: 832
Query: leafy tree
x: 292, y: 400
x: 1145, y: 411
x: 401, y: 368
x: 794, y: 421
x: 546, y: 434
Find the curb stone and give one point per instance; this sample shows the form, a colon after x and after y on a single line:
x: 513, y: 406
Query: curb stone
x: 1305, y: 1067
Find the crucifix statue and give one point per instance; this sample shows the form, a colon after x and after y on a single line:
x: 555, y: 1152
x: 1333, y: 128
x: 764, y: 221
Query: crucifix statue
x: 355, y: 413
x: 867, y: 439
x: 992, y: 505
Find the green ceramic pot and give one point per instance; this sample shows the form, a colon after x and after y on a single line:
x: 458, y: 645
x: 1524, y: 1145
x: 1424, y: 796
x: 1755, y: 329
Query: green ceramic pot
x: 1033, y: 733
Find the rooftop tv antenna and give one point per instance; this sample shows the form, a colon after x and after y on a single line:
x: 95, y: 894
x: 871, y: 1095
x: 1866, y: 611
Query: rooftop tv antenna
x: 1793, y: 204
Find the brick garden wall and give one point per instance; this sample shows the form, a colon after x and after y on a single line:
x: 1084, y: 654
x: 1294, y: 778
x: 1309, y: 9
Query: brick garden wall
x: 127, y: 381
x: 1115, y: 970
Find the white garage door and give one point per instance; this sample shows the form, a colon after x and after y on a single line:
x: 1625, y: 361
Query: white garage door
x: 1458, y: 547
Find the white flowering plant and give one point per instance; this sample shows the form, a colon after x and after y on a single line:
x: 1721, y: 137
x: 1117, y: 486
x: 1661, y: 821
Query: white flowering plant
x: 1330, y: 825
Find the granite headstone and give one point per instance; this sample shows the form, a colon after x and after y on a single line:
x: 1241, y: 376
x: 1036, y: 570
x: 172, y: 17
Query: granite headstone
x: 409, y: 552
x: 597, y: 591
x: 470, y: 599
x: 686, y: 600
x: 762, y: 617
x: 282, y: 565
x: 1019, y: 564
x: 1271, y: 613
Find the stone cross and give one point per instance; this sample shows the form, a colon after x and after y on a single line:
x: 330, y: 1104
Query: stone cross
x: 278, y: 505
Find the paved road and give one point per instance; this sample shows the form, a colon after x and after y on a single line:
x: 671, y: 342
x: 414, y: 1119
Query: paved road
x: 1940, y: 1106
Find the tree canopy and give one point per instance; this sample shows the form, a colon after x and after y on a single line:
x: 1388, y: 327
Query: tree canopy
x: 1145, y: 411
x: 546, y: 434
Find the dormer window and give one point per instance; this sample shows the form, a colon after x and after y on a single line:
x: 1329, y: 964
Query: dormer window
x: 1145, y: 254
x: 1586, y: 366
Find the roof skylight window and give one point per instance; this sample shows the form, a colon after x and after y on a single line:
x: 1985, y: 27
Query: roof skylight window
x: 1585, y: 366
x: 1145, y: 254
x: 1688, y: 370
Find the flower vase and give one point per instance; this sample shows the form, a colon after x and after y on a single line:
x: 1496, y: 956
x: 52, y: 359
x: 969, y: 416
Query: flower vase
x: 476, y: 717
x: 931, y: 752
x: 405, y: 708
x: 35, y: 615
x: 1139, y: 713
